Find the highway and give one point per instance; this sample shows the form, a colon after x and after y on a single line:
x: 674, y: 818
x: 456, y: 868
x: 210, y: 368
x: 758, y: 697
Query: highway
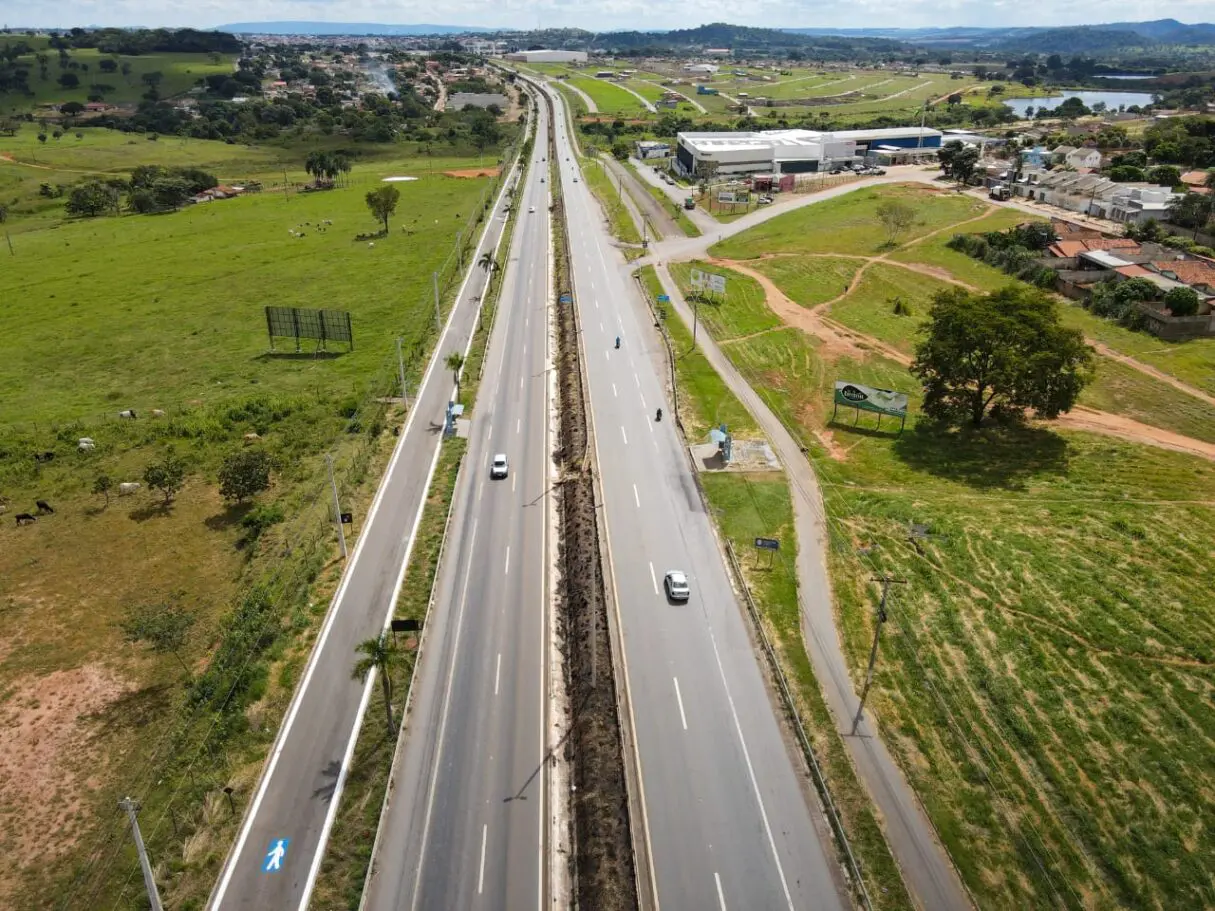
x: 729, y: 817
x: 465, y: 823
x: 288, y: 822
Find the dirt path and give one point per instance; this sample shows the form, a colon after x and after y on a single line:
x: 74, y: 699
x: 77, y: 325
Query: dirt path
x: 840, y: 341
x: 1155, y: 373
x: 43, y: 167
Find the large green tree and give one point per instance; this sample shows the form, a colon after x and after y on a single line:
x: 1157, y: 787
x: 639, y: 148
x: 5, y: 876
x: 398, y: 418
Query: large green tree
x: 958, y: 161
x: 999, y: 354
x: 245, y: 473
x: 165, y: 627
x: 383, y: 202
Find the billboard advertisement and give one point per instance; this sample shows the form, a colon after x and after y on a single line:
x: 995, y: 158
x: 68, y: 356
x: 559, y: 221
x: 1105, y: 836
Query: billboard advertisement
x: 867, y: 398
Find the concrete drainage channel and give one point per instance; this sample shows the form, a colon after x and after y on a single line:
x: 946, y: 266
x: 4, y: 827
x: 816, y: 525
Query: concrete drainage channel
x: 602, y: 865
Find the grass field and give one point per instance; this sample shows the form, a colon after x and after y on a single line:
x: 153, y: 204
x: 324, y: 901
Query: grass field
x: 848, y: 223
x: 179, y: 71
x: 166, y: 312
x: 605, y: 190
x: 204, y: 275
x: 1046, y: 676
x: 609, y: 98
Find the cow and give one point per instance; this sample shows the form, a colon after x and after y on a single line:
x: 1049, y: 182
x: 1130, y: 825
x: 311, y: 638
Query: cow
x: 157, y: 413
x: 44, y: 508
x: 42, y: 457
x: 126, y: 488
x: 252, y: 437
x: 25, y: 518
x: 85, y: 444
x: 371, y: 243
x: 129, y: 414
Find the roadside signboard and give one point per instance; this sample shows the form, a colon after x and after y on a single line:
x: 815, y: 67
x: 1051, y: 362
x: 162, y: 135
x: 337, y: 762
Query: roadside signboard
x: 869, y: 398
x: 767, y: 543
x: 717, y: 283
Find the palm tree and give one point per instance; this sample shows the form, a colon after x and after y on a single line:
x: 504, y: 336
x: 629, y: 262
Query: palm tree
x: 455, y: 363
x: 379, y: 655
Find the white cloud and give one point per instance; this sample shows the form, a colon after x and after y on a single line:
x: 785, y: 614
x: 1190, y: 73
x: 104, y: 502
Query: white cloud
x: 607, y: 15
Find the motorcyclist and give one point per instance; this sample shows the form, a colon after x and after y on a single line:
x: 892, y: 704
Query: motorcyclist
x: 618, y: 341
x: 658, y: 416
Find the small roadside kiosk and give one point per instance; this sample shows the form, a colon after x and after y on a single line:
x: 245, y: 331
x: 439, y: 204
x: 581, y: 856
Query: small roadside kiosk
x: 867, y: 398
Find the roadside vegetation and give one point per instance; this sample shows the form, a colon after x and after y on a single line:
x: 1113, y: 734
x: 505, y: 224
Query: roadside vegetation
x: 155, y: 638
x: 620, y: 220
x: 747, y: 505
x: 1044, y: 678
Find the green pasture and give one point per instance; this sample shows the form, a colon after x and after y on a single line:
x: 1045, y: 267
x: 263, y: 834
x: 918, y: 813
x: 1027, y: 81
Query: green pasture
x: 152, y: 311
x: 609, y: 98
x: 1045, y: 678
x: 179, y: 71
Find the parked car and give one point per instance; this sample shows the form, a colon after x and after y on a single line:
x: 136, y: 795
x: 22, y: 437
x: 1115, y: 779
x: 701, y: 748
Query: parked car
x: 878, y: 172
x: 531, y: 208
x: 498, y: 468
x: 838, y: 169
x: 765, y: 200
x: 676, y: 585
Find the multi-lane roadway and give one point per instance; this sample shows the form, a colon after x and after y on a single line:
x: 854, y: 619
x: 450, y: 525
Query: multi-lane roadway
x: 729, y: 820
x: 465, y: 825
x: 276, y: 858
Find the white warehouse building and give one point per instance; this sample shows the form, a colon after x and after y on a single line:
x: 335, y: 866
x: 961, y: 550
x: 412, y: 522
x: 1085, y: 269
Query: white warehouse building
x: 800, y: 151
x: 547, y: 57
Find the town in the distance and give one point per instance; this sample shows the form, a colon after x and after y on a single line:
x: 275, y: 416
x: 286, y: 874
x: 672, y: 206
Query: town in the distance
x: 715, y: 466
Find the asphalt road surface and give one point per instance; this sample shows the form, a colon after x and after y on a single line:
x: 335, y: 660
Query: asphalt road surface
x: 465, y: 823
x: 274, y: 862
x: 731, y: 821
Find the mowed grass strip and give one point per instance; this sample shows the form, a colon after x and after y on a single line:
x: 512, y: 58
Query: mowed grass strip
x: 606, y: 190
x: 1046, y: 678
x: 743, y: 310
x: 609, y: 98
x: 848, y: 223
x: 156, y: 311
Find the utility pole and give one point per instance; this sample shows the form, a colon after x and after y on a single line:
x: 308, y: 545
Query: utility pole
x: 401, y: 372
x: 337, y: 507
x: 148, y: 880
x: 434, y: 277
x: 886, y: 581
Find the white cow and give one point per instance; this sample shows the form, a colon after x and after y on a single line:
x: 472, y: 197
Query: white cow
x: 129, y: 413
x: 126, y: 488
x: 86, y: 444
x: 157, y: 413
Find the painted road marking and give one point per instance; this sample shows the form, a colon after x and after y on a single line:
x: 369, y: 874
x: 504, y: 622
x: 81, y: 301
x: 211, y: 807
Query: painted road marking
x: 625, y: 435
x: 275, y: 856
x: 678, y: 698
x: 513, y: 479
x: 636, y: 498
x: 481, y: 874
x: 653, y: 578
x: 721, y: 898
x: 518, y: 424
x: 506, y: 567
x: 497, y: 673
x: 614, y: 392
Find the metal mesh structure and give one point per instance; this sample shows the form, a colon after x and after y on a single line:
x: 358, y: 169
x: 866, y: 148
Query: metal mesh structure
x: 298, y: 323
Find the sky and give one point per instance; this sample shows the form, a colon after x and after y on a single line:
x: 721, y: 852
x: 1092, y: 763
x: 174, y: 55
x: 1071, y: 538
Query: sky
x: 605, y: 15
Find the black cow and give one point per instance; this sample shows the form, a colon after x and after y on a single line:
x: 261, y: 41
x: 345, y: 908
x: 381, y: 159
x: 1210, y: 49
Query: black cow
x: 47, y: 456
x: 26, y: 519
x: 44, y: 508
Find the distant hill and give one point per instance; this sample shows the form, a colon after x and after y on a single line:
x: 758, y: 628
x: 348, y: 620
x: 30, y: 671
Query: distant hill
x: 344, y: 28
x: 1082, y: 38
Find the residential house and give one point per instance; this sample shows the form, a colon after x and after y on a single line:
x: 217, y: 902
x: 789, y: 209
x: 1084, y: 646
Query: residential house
x: 1083, y: 158
x: 1135, y: 204
x: 1037, y: 157
x: 1059, y: 153
x: 1196, y: 181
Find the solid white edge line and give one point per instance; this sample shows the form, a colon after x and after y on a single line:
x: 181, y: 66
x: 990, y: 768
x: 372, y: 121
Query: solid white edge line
x: 331, y: 616
x: 679, y: 698
x: 763, y: 812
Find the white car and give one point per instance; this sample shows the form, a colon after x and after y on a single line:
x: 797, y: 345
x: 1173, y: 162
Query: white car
x: 531, y: 208
x: 676, y: 585
x: 498, y: 468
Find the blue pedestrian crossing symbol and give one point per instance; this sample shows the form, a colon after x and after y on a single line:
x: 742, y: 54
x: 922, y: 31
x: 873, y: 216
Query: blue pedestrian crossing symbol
x: 275, y: 855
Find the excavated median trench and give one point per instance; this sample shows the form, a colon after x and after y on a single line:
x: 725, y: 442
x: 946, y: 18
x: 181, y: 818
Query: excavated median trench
x: 602, y: 865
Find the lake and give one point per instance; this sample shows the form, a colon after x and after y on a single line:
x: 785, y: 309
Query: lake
x: 1111, y: 99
